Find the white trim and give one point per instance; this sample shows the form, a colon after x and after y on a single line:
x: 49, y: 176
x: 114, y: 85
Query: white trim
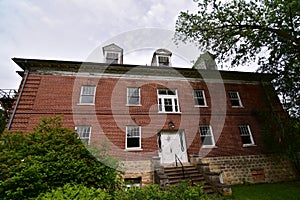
x: 204, y: 98
x: 90, y: 132
x: 127, y: 99
x: 250, y: 135
x: 238, y: 98
x: 140, y: 139
x: 213, y: 145
x: 115, y: 52
x: 173, y: 98
x: 81, y: 91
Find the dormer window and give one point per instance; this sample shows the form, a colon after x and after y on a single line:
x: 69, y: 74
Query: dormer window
x: 161, y: 57
x: 163, y: 61
x: 113, y: 54
x: 112, y: 57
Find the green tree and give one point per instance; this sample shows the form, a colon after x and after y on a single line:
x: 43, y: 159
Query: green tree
x: 3, y: 120
x: 47, y: 158
x: 240, y: 31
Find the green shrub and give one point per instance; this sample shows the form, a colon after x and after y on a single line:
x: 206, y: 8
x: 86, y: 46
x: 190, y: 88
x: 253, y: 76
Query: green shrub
x: 48, y: 158
x: 74, y: 192
x: 150, y: 192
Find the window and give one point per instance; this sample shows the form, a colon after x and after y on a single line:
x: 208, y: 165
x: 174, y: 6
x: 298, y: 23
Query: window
x: 199, y: 98
x: 133, y: 96
x: 112, y: 57
x: 246, y: 135
x: 207, y: 136
x: 235, y: 99
x: 168, y: 101
x: 163, y: 61
x: 133, y: 137
x: 87, y: 95
x: 84, y: 133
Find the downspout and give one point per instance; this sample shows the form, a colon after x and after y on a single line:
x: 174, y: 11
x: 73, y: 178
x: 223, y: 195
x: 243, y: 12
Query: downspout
x: 18, y: 100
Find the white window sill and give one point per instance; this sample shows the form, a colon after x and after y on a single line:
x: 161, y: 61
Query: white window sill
x: 133, y: 105
x: 200, y: 106
x: 209, y: 147
x: 85, y: 104
x: 237, y: 106
x: 161, y: 112
x: 249, y: 145
x: 133, y: 149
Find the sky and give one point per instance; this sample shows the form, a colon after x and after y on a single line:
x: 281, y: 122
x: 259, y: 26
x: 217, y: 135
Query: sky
x: 76, y: 30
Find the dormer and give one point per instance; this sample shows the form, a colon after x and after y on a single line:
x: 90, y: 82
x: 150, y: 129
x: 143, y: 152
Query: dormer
x: 161, y: 57
x: 113, y: 54
x: 206, y: 61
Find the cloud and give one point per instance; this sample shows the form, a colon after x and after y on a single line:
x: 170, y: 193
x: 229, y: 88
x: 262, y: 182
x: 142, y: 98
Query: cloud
x: 71, y: 30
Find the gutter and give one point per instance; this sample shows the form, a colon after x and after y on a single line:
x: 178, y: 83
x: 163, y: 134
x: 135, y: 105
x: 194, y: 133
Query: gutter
x: 26, y: 73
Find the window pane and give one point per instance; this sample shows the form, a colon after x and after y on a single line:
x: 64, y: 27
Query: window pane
x: 245, y: 134
x: 199, y: 97
x: 207, y: 140
x: 133, y: 96
x: 87, y: 94
x: 234, y: 98
x: 133, y: 142
x: 246, y: 140
x: 87, y: 99
x: 133, y: 136
x: 168, y: 105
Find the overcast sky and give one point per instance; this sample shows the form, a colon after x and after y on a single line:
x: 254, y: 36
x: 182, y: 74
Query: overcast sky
x: 73, y: 29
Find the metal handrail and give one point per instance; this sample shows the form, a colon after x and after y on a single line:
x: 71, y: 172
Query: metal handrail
x: 182, y: 168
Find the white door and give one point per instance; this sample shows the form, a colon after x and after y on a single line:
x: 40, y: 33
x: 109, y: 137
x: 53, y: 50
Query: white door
x: 171, y: 144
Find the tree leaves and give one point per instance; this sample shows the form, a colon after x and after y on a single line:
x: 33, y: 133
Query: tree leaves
x: 241, y: 30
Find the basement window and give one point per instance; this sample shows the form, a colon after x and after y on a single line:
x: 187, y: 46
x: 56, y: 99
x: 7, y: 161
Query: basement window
x: 133, y: 182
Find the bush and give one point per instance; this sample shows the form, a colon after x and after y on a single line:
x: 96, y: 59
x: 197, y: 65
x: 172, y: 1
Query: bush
x: 179, y: 192
x: 74, y: 192
x: 48, y: 158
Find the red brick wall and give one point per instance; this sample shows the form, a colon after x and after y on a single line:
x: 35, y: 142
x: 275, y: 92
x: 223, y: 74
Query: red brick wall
x: 48, y: 95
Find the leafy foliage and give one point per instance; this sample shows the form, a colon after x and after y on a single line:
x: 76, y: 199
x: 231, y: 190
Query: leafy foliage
x: 150, y: 192
x: 3, y: 120
x: 74, y: 192
x: 240, y: 31
x: 48, y: 158
x: 181, y: 191
x: 281, y: 135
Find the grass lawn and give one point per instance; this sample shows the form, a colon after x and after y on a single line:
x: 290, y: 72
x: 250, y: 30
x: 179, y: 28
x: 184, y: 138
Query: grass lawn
x: 274, y: 191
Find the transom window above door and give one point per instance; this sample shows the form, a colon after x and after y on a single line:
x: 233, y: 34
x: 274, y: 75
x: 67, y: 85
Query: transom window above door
x: 168, y: 101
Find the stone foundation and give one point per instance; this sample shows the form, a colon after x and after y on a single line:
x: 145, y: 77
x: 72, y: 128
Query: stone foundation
x: 252, y: 168
x: 136, y: 169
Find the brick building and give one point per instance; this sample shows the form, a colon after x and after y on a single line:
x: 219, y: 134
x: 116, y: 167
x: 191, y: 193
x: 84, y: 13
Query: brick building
x: 143, y: 112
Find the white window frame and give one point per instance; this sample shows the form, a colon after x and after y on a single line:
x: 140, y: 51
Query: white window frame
x: 245, y: 131
x: 109, y: 60
x: 129, y: 95
x: 173, y: 98
x: 82, y: 95
x: 196, y: 98
x: 211, y: 135
x: 139, y: 136
x: 83, y: 128
x: 238, y: 98
x: 163, y: 63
